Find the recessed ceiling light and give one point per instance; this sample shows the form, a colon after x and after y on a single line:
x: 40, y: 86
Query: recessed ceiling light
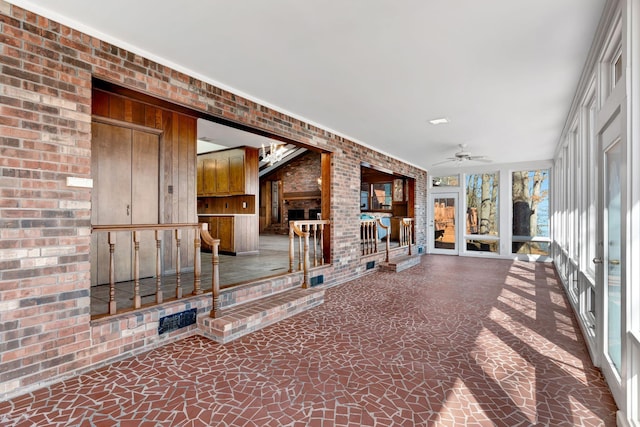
x: 439, y: 121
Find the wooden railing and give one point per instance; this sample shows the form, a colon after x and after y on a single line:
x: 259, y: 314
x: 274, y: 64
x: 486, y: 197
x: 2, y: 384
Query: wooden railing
x: 310, y: 253
x: 135, y: 231
x: 369, y: 236
x: 310, y: 246
x: 215, y: 268
x: 405, y: 234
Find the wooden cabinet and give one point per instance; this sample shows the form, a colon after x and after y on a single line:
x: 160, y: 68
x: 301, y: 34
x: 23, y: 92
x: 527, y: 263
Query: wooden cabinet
x: 238, y: 234
x: 227, y: 197
x: 228, y: 172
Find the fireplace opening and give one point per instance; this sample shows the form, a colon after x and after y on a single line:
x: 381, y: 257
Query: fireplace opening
x: 314, y: 214
x: 295, y: 214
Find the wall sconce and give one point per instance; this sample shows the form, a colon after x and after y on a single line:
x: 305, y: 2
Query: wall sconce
x: 320, y: 183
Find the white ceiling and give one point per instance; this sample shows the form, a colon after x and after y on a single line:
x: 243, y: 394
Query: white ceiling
x: 502, y: 71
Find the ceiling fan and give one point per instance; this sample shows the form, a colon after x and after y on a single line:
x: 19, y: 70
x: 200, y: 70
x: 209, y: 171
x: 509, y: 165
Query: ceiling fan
x: 461, y: 156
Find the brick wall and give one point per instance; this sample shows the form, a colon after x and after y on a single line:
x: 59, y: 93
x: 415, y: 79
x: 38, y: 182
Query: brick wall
x: 298, y: 176
x: 45, y: 138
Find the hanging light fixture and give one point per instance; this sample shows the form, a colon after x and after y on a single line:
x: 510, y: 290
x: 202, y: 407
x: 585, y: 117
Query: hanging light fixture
x: 273, y: 154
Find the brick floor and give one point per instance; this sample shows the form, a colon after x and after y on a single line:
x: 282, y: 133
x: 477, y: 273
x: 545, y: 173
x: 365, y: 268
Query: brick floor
x: 451, y: 342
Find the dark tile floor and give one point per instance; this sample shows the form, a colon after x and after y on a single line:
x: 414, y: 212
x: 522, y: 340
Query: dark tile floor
x: 451, y: 342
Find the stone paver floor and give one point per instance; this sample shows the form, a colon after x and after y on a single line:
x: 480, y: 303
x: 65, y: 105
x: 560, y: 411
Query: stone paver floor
x: 451, y: 342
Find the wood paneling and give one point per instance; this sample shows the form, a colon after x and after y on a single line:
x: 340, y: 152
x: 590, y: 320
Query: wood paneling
x: 177, y: 167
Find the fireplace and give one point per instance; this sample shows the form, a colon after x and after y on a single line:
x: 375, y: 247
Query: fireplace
x: 295, y: 214
x: 314, y: 213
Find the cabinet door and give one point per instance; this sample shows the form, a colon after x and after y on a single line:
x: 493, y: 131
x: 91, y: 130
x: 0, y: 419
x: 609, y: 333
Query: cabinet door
x: 213, y: 227
x: 208, y: 176
x: 222, y: 175
x: 225, y: 233
x: 125, y: 172
x: 236, y: 174
x: 200, y: 178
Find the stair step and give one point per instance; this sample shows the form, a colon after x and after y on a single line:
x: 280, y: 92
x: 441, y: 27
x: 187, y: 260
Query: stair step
x: 400, y: 263
x: 238, y: 321
x: 256, y: 290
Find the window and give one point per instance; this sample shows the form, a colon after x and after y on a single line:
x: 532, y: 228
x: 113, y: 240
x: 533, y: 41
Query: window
x: 617, y: 69
x: 445, y: 181
x: 381, y: 196
x: 376, y: 196
x: 530, y: 204
x: 482, y: 212
x: 482, y: 204
x: 364, y: 196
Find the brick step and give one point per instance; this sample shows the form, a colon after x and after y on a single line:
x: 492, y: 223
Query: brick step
x: 400, y: 263
x: 251, y: 316
x: 241, y: 294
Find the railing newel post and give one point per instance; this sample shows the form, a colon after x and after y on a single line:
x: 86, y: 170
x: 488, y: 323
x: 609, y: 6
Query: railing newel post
x: 215, y: 278
x: 197, y: 266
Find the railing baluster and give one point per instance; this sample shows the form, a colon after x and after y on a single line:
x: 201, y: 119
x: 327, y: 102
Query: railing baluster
x: 305, y: 279
x: 137, y: 300
x: 321, y: 244
x: 197, y: 266
x: 292, y: 253
x: 300, y: 252
x: 375, y: 236
x: 159, y: 297
x: 387, y: 242
x: 315, y: 245
x: 178, y: 263
x: 112, y: 273
x: 409, y: 236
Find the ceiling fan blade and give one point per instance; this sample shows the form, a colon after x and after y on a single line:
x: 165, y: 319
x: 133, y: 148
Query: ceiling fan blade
x: 449, y: 160
x: 480, y: 159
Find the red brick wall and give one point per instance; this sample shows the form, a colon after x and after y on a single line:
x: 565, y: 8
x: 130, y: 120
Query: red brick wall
x: 298, y: 176
x: 45, y: 117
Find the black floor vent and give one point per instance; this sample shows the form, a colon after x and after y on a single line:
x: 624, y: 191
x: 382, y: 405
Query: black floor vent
x: 370, y: 265
x: 317, y: 280
x: 176, y: 321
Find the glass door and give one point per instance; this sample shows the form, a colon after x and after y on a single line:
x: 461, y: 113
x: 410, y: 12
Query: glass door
x: 613, y: 255
x: 443, y: 225
x: 610, y: 262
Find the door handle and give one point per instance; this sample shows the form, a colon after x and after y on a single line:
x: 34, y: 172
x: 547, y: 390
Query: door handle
x: 614, y: 261
x: 597, y: 260
x: 128, y: 208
